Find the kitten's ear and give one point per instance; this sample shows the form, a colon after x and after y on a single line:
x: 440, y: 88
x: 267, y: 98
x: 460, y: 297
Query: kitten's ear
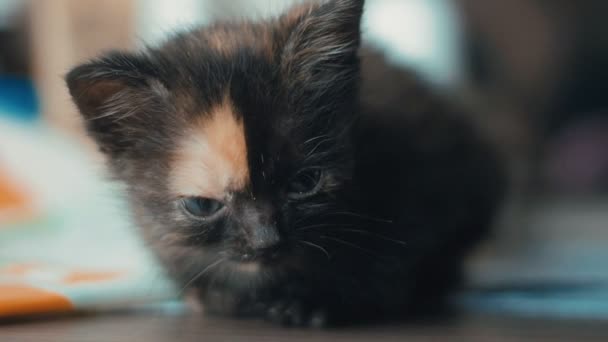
x: 325, y: 37
x: 109, y: 92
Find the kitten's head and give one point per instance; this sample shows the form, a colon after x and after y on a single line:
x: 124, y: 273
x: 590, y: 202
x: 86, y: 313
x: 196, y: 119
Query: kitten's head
x: 234, y: 137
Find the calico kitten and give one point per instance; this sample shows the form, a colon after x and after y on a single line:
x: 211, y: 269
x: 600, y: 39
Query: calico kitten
x: 276, y: 168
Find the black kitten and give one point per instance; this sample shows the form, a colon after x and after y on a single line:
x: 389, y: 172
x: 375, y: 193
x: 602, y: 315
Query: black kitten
x: 276, y: 168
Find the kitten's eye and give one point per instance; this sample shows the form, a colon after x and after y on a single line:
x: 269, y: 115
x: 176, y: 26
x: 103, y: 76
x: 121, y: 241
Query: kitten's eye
x: 304, y: 183
x: 202, y: 207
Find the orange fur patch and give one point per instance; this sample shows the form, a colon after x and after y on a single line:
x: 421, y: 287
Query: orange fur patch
x: 212, y: 160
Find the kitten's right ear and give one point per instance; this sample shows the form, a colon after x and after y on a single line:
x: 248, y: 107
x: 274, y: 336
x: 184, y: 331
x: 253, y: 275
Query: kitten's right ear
x: 109, y: 92
x: 321, y: 51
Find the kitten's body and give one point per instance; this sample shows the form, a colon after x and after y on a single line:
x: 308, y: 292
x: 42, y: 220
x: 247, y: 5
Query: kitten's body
x: 327, y: 184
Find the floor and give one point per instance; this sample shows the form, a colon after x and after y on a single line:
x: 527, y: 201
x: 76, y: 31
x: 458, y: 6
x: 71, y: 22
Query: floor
x: 152, y: 328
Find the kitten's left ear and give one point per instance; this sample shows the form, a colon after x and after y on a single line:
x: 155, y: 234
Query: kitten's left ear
x: 112, y: 93
x: 324, y: 38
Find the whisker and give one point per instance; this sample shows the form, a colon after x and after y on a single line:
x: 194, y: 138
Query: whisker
x: 196, y: 234
x: 321, y: 226
x: 318, y: 205
x: 318, y: 208
x: 311, y: 156
x: 403, y: 243
x: 348, y: 213
x: 305, y: 218
x: 201, y: 273
x: 317, y: 146
x: 314, y: 245
x: 350, y: 244
x: 315, y: 138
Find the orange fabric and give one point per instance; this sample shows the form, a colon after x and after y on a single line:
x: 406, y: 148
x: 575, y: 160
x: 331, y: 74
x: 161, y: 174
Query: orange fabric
x: 19, y: 269
x: 20, y: 300
x: 14, y: 202
x: 10, y: 197
x: 90, y: 277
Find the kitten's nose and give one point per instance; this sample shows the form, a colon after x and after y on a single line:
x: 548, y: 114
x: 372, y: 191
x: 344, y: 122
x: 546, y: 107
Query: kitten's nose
x: 260, y: 226
x: 264, y: 237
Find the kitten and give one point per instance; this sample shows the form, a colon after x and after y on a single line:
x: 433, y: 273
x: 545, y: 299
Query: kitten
x: 278, y: 169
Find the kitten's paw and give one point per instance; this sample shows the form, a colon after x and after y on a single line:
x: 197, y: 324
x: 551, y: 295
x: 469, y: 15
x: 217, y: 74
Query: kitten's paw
x: 297, y: 314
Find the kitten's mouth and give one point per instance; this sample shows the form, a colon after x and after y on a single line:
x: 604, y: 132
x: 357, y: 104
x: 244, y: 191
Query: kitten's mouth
x: 264, y: 256
x: 258, y: 257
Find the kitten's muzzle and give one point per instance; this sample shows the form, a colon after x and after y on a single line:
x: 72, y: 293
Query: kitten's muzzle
x: 263, y: 243
x: 260, y: 227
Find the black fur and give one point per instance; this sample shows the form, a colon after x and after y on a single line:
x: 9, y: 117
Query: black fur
x: 408, y: 185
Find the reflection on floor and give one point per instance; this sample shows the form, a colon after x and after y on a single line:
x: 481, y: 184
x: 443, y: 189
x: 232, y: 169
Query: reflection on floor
x: 557, y: 269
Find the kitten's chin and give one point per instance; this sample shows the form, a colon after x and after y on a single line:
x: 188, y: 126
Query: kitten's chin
x: 248, y: 267
x: 246, y: 275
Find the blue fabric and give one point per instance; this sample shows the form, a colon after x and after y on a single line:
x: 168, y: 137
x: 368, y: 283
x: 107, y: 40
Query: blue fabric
x: 18, y: 98
x: 576, y: 302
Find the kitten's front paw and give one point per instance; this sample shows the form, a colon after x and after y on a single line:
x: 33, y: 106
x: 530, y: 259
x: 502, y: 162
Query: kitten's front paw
x: 296, y: 313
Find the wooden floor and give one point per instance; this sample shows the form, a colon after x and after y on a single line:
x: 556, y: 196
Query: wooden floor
x: 174, y: 328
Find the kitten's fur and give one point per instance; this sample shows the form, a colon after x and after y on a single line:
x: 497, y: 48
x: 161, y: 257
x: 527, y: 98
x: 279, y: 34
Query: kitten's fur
x: 234, y: 110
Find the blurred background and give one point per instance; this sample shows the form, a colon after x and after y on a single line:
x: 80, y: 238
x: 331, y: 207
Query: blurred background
x: 533, y: 72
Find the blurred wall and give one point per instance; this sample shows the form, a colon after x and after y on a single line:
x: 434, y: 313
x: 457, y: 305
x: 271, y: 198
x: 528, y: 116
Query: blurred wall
x: 530, y: 67
x: 66, y: 32
x: 423, y: 34
x: 8, y: 9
